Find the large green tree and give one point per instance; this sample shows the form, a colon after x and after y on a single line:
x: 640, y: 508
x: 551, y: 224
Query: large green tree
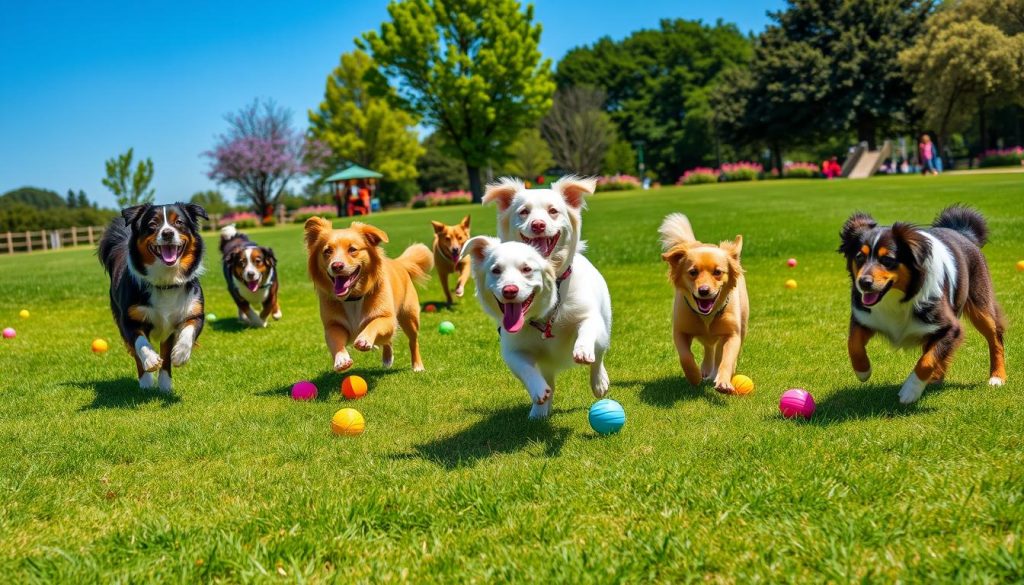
x: 657, y: 84
x: 529, y: 156
x: 439, y: 170
x: 578, y: 129
x: 472, y: 69
x: 358, y: 123
x: 130, y: 187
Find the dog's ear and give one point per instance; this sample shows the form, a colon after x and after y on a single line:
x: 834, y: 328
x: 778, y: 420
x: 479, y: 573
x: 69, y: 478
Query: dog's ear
x: 675, y: 255
x: 574, y: 189
x: 315, y: 227
x: 132, y: 214
x: 465, y: 222
x: 476, y: 248
x: 502, y: 192
x: 853, y: 229
x: 268, y: 256
x: 193, y: 211
x: 373, y: 235
x: 912, y: 249
x: 438, y: 226
x: 733, y: 247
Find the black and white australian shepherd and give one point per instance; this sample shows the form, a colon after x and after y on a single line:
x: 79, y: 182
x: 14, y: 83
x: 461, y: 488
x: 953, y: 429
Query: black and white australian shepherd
x: 251, y: 273
x: 154, y: 254
x: 912, y: 283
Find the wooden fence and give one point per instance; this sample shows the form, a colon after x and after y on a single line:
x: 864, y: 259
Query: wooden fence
x: 37, y: 240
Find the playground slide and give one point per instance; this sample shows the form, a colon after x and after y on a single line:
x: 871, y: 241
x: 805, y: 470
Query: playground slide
x: 863, y: 163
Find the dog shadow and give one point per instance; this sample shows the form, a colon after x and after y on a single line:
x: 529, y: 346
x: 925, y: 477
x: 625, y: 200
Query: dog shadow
x: 328, y: 383
x: 502, y: 431
x: 666, y: 392
x: 864, y: 401
x: 441, y: 305
x: 228, y: 325
x: 121, y: 393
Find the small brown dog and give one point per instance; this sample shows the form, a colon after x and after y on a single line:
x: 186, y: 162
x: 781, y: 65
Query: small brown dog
x: 363, y: 293
x: 448, y: 242
x: 710, y: 304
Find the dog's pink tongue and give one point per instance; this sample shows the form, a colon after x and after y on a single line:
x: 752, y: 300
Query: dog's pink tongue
x: 869, y: 298
x: 255, y: 285
x: 705, y: 305
x: 169, y: 254
x: 514, y: 317
x: 341, y: 285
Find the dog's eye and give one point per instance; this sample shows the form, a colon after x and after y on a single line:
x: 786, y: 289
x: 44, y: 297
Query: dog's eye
x: 352, y: 250
x: 524, y: 212
x: 527, y: 269
x: 257, y: 261
x: 888, y: 262
x: 552, y: 211
x: 178, y: 222
x: 718, y: 272
x: 693, y: 272
x: 328, y: 251
x: 496, y: 270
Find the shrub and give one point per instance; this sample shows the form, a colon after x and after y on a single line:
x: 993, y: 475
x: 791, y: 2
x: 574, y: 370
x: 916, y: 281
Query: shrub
x: 741, y: 171
x: 618, y: 183
x: 698, y: 176
x: 440, y: 198
x: 269, y: 221
x: 241, y: 219
x: 324, y: 211
x: 1006, y: 157
x: 801, y: 170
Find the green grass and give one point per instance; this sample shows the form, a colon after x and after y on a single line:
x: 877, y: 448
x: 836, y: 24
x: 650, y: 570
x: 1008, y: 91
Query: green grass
x: 230, y: 480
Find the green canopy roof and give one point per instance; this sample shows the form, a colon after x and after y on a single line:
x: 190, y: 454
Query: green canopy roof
x: 354, y: 172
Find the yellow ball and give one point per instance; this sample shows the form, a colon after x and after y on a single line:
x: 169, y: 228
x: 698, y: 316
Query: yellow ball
x: 742, y: 384
x: 1020, y: 266
x: 99, y: 346
x: 790, y: 284
x: 348, y: 421
x: 24, y: 314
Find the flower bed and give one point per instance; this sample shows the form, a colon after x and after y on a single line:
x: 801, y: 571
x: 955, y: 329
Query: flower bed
x: 1005, y: 157
x: 801, y: 170
x: 241, y: 219
x: 741, y: 171
x: 308, y: 211
x: 618, y: 183
x: 698, y: 176
x: 440, y: 199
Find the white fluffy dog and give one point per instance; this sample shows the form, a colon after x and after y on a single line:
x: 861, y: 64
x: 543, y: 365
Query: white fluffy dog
x: 546, y: 284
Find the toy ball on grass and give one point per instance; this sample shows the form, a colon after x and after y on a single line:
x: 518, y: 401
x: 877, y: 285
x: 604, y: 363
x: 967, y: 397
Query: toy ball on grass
x: 353, y: 387
x: 304, y: 390
x: 742, y: 385
x: 431, y: 308
x: 796, y: 402
x: 1020, y: 266
x: 790, y: 284
x: 99, y: 346
x: 446, y: 328
x: 348, y: 421
x: 791, y: 262
x: 24, y: 314
x: 211, y: 317
x: 606, y: 416
x: 9, y: 333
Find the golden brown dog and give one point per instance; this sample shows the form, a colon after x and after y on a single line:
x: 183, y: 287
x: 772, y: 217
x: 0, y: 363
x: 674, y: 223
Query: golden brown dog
x: 710, y: 302
x: 363, y: 293
x: 448, y: 241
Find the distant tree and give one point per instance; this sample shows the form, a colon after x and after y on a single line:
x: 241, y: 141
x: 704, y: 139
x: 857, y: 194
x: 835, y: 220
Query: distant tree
x: 33, y: 197
x: 437, y: 169
x: 529, y: 156
x: 472, y: 69
x: 72, y: 199
x: 361, y: 126
x: 578, y: 129
x: 129, y: 187
x: 83, y: 201
x: 620, y: 159
x: 261, y: 153
x: 213, y: 201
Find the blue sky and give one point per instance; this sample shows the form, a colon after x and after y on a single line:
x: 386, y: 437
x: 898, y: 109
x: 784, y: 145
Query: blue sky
x: 83, y: 81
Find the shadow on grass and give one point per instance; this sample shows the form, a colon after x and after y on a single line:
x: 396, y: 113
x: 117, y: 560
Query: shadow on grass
x: 863, y: 401
x: 666, y: 392
x: 442, y: 305
x: 329, y: 383
x: 228, y: 325
x: 499, y: 431
x: 121, y: 393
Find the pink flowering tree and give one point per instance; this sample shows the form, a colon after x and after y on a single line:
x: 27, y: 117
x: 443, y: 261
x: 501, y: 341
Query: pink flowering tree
x: 260, y: 153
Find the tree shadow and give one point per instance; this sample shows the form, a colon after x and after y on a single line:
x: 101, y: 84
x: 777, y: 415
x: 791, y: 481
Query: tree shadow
x: 864, y: 401
x: 499, y: 432
x: 228, y: 325
x: 328, y: 383
x: 666, y: 392
x: 121, y: 393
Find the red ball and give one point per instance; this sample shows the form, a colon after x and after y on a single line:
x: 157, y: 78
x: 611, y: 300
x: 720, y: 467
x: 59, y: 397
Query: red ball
x: 796, y: 402
x: 304, y: 390
x: 791, y: 262
x: 430, y: 308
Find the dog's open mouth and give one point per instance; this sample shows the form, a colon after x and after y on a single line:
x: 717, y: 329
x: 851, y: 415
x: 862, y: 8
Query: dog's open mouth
x: 515, y: 313
x: 455, y: 256
x: 253, y: 285
x: 870, y: 299
x: 343, y: 284
x: 543, y: 245
x: 704, y: 306
x: 168, y: 253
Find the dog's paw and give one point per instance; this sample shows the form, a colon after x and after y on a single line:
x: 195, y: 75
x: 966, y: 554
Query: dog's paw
x: 146, y: 381
x: 388, y: 357
x: 342, y: 361
x: 724, y: 385
x: 164, y: 382
x: 582, y: 354
x: 363, y: 344
x: 863, y: 376
x: 459, y: 292
x: 151, y: 361
x: 540, y: 411
x: 418, y: 368
x: 181, y: 353
x: 277, y: 315
x: 599, y: 383
x: 243, y: 317
x: 912, y: 389
x: 996, y: 381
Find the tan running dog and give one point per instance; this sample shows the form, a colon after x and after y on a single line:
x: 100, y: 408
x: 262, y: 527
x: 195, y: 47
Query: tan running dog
x: 448, y: 241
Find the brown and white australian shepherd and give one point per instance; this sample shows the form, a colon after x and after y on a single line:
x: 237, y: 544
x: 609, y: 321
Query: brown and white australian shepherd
x: 154, y: 254
x: 448, y: 241
x: 364, y: 294
x: 711, y: 303
x: 251, y: 274
x: 912, y: 283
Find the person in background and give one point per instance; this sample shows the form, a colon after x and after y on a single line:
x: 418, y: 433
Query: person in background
x: 936, y: 159
x: 926, y: 152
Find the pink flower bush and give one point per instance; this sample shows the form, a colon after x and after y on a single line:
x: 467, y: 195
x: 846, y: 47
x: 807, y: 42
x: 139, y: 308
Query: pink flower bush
x: 308, y: 211
x: 698, y: 176
x: 801, y: 170
x: 241, y: 219
x: 618, y: 183
x: 741, y: 171
x: 1003, y: 157
x: 440, y: 198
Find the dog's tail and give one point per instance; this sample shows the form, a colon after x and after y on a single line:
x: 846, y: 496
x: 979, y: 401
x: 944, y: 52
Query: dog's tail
x: 228, y: 233
x: 113, y: 246
x: 675, y: 230
x: 417, y: 260
x: 965, y: 220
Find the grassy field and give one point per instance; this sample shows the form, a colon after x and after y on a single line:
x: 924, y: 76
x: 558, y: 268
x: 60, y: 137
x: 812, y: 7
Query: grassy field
x: 230, y: 480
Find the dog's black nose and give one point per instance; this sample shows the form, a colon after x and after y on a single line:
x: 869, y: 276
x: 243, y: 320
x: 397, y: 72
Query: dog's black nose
x: 510, y: 291
x: 537, y: 226
x: 704, y: 290
x: 337, y: 267
x: 866, y: 283
x: 167, y: 233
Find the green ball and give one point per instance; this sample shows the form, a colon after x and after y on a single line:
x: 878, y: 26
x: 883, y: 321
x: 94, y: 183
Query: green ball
x: 211, y: 317
x: 446, y: 328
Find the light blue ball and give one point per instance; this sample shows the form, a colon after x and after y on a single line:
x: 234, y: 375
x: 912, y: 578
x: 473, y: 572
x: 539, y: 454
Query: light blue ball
x: 606, y: 416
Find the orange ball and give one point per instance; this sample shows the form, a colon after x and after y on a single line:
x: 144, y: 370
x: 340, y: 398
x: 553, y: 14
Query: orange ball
x: 99, y: 346
x: 431, y: 308
x: 348, y: 421
x: 742, y: 384
x: 353, y: 387
x: 1020, y: 266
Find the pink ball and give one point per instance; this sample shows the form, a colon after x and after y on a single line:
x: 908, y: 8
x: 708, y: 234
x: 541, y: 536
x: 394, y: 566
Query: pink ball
x: 9, y: 333
x: 304, y: 390
x: 796, y: 402
x: 791, y: 262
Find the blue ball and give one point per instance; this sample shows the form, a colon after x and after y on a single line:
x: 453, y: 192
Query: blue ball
x: 606, y: 416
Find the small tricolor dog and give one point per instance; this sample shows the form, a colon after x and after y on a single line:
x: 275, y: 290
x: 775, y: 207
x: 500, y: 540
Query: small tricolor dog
x: 448, y: 242
x: 251, y: 274
x: 154, y: 254
x: 911, y: 284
